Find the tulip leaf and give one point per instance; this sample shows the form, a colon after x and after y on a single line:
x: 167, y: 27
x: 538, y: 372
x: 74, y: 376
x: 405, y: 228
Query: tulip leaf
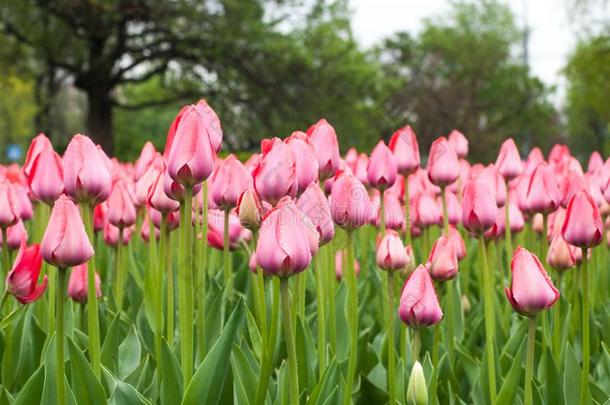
x: 87, y: 388
x: 508, y: 391
x: 31, y: 392
x: 129, y: 354
x: 327, y: 383
x: 126, y: 394
x: 552, y: 387
x: 207, y: 383
x: 7, y: 320
x: 571, y: 377
x: 255, y: 335
x: 110, y: 346
x: 244, y: 378
x: 171, y: 386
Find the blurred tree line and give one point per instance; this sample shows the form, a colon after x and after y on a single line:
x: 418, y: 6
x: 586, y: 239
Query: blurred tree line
x: 119, y: 70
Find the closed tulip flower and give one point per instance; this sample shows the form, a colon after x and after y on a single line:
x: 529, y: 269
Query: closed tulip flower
x: 216, y: 226
x: 426, y: 211
x: 284, y: 247
x: 86, y: 176
x: 147, y: 181
x: 583, y: 225
x: 306, y: 160
x: 509, y: 163
x: 10, y: 210
x: 443, y: 164
x: 314, y: 204
x: 173, y: 219
x: 145, y: 160
x: 65, y: 242
x: 458, y: 242
x: 349, y: 202
x: 382, y: 168
x: 459, y: 143
x: 479, y: 209
x: 543, y: 192
x: 391, y: 253
x: 77, y: 284
x: 572, y: 183
x: 443, y: 260
x: 394, y: 213
x: 250, y: 209
x: 22, y: 280
x: 419, y: 306
x: 454, y: 208
x: 46, y: 178
x: 362, y: 165
x: 121, y: 209
x: 15, y: 234
x: 351, y: 156
x: 275, y: 176
x: 340, y: 261
x: 229, y: 180
x: 595, y: 162
x: 531, y: 289
x: 323, y: 139
x: 561, y: 255
x: 38, y: 144
x: 406, y: 150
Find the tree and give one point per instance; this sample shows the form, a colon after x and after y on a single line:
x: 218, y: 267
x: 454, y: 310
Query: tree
x: 461, y: 72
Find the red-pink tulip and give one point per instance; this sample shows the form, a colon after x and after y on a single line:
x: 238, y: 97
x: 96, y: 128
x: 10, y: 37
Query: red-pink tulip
x: 284, y: 246
x: 323, y: 139
x: 22, y: 280
x: 275, y: 176
x: 391, y: 253
x: 443, y: 165
x: 145, y: 160
x: 572, y: 183
x: 479, y: 209
x: 86, y: 176
x: 349, y: 202
x: 406, y: 150
x: 314, y: 204
x: 38, y: 144
x: 77, y: 284
x: 459, y: 143
x: 509, y: 163
x: 382, y: 169
x: 543, y: 192
x: 561, y: 255
x: 229, y: 180
x: 419, y: 306
x: 340, y: 259
x: 531, y: 289
x: 121, y: 209
x: 46, y: 177
x: 306, y: 161
x: 65, y: 242
x: 10, y: 209
x: 443, y: 260
x: 583, y: 225
x: 99, y: 217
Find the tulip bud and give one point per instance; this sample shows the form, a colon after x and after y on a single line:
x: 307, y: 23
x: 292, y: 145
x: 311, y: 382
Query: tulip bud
x: 146, y: 182
x: 145, y: 160
x: 458, y: 241
x: 10, y: 210
x: 250, y: 209
x: 21, y: 281
x: 443, y: 261
x: 459, y: 143
x: 382, y: 169
x: 417, y: 391
x: 65, y: 242
x: 349, y: 202
x: 391, y: 253
x: 394, y: 212
x: 158, y: 199
x: 46, y: 176
x: 86, y: 176
x: 583, y: 225
x: 419, y: 306
x: 543, y: 192
x: 406, y: 151
x: 531, y: 289
x: 306, y: 161
x: 443, y: 165
x: 561, y: 255
x: 38, y: 144
x: 323, y: 140
x: 77, y: 284
x: 216, y: 229
x: 229, y: 180
x: 426, y: 211
x: 340, y: 260
x: 15, y: 234
x: 362, y: 165
x: 595, y: 162
x: 314, y: 204
x: 121, y: 210
x: 509, y: 162
x: 479, y: 209
x: 284, y: 248
x: 275, y: 175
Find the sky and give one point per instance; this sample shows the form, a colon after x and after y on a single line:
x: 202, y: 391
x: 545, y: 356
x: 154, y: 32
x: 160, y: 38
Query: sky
x: 552, y: 35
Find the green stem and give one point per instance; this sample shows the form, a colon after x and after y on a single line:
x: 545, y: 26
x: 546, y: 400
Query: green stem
x: 185, y: 285
x: 390, y: 336
x: 290, y: 344
x: 382, y: 213
x: 321, y: 315
x: 508, y: 240
x: 226, y: 257
x: 529, y: 365
x: 5, y: 254
x: 352, y: 311
x: 445, y: 212
x: 119, y: 272
x: 329, y: 256
x: 557, y: 321
x: 169, y: 270
x: 61, y: 370
x: 93, y: 323
x: 261, y: 391
x: 52, y: 273
x: 407, y: 211
x: 489, y: 320
x: 159, y: 289
x: 584, y: 383
x: 416, y: 344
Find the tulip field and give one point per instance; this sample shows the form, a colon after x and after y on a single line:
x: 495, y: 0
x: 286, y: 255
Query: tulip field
x: 303, y: 275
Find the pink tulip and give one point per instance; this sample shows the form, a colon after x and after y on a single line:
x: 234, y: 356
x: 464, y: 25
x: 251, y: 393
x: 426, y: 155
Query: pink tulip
x: 175, y: 190
x: 21, y: 281
x: 382, y: 168
x: 314, y: 204
x: 391, y: 253
x: 65, y: 242
x: 531, y: 289
x: 419, y: 306
x: 99, y: 217
x: 147, y: 181
x: 349, y: 202
x: 340, y: 259
x: 157, y: 197
x: 351, y: 157
x: 15, y: 234
x: 458, y: 242
x: 426, y: 211
x: 284, y: 246
x: 77, y: 284
x: 216, y: 227
x: 509, y: 163
x: 121, y: 210
x: 361, y: 170
x: 275, y: 176
x: 394, y: 212
x: 173, y: 219
x: 406, y: 150
x: 543, y: 192
x: 459, y: 143
x: 443, y: 260
x: 479, y: 209
x: 38, y: 144
x: 323, y: 139
x: 112, y: 234
x: 443, y: 165
x: 86, y: 176
x: 454, y: 209
x: 26, y: 210
x: 10, y: 209
x: 583, y: 225
x: 145, y: 160
x: 306, y: 161
x: 490, y: 176
x: 561, y: 255
x: 250, y: 209
x: 45, y: 178
x: 229, y: 180
x: 595, y: 162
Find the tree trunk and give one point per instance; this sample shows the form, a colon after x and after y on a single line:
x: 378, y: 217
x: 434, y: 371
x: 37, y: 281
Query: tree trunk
x: 99, y: 118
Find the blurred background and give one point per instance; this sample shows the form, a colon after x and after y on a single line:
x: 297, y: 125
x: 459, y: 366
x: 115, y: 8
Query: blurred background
x: 119, y: 70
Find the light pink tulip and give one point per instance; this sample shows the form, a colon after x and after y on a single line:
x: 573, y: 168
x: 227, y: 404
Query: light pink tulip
x: 459, y: 143
x: 443, y: 164
x: 391, y: 253
x: 561, y: 255
x: 145, y: 160
x: 509, y: 163
x: 426, y: 211
x: 382, y: 169
x: 583, y: 225
x: 121, y: 209
x: 349, y: 202
x: 15, y: 234
x: 340, y: 259
x: 38, y: 144
x: 229, y: 180
x: 458, y: 242
x: 543, y: 192
x: 443, y: 260
x: 46, y: 178
x: 394, y: 212
x: 595, y: 162
x: 10, y: 209
x: 250, y: 209
x: 406, y: 150
x: 275, y: 176
x: 314, y: 204
x: 419, y: 306
x: 479, y: 209
x: 323, y: 139
x: 306, y: 160
x: 77, y: 284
